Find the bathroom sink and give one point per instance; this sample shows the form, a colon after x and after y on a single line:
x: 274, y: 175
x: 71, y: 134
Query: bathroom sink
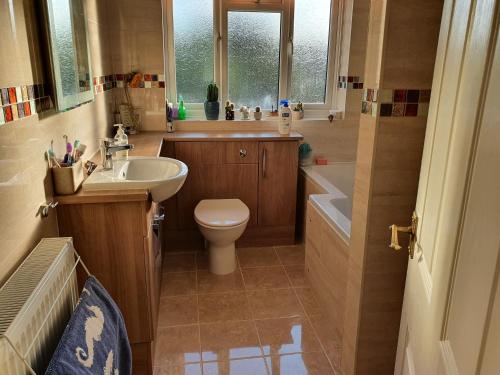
x: 163, y: 177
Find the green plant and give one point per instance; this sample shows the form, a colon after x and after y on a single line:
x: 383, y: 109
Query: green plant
x: 257, y: 109
x: 299, y: 107
x: 212, y: 93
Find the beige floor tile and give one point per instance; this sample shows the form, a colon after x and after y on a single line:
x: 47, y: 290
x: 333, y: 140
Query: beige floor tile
x: 308, y: 301
x: 222, y: 307
x: 287, y: 335
x: 297, y: 275
x: 177, y: 345
x: 224, y: 341
x: 250, y: 366
x: 186, y: 369
x: 181, y: 262
x: 211, y: 283
x: 274, y: 303
x: 202, y: 260
x: 178, y: 310
x: 257, y: 257
x: 178, y: 283
x: 291, y: 255
x: 300, y: 364
x: 329, y: 338
x: 265, y: 278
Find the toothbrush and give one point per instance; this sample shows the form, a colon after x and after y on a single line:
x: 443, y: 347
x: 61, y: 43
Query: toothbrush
x: 52, y: 158
x: 69, y: 149
x: 80, y: 151
x: 75, y: 147
x: 68, y: 158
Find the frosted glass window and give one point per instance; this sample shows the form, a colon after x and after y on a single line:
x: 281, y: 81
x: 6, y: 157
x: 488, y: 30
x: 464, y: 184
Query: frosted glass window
x: 310, y: 52
x: 253, y: 58
x: 194, y: 53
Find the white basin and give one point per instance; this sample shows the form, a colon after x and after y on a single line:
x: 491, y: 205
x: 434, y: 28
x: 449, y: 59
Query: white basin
x: 163, y: 177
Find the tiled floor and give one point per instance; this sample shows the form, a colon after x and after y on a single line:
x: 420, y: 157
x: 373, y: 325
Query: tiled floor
x: 262, y: 319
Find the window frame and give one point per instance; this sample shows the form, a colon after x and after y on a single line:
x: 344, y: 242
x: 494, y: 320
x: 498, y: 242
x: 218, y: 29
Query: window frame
x: 220, y: 43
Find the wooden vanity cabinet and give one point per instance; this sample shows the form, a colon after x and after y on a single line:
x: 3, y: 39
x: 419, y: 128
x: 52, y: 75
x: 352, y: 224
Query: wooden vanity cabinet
x: 263, y: 174
x: 120, y: 244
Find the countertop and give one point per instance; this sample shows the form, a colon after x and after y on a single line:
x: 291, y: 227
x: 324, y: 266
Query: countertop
x: 149, y: 144
x: 231, y: 136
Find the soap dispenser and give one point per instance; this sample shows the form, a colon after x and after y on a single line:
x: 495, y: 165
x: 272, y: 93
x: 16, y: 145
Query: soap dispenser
x: 121, y: 139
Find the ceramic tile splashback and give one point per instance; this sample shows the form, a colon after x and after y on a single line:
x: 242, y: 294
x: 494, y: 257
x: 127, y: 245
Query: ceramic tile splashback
x: 395, y: 103
x: 350, y: 82
x: 23, y: 101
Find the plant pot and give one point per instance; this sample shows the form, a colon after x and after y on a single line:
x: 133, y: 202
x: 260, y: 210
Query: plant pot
x: 297, y: 115
x: 257, y: 115
x: 212, y: 110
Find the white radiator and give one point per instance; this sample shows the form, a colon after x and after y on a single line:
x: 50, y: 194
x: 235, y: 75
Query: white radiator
x: 36, y: 303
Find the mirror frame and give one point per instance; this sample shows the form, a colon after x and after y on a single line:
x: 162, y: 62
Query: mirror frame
x: 65, y: 103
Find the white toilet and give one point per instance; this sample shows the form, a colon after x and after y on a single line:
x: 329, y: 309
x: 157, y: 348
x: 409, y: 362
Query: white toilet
x: 222, y: 222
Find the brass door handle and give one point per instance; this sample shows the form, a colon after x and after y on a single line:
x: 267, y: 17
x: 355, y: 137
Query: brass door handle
x: 411, y: 230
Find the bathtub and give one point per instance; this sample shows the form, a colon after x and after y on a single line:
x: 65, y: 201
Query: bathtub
x: 335, y: 203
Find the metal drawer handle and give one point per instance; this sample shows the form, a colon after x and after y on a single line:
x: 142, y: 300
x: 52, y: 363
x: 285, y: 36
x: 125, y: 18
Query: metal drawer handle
x: 243, y: 153
x: 264, y: 159
x: 159, y: 217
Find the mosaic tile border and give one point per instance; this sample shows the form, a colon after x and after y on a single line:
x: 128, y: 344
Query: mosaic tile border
x: 395, y: 103
x: 111, y: 81
x: 19, y: 102
x: 104, y: 83
x: 148, y: 81
x: 350, y: 82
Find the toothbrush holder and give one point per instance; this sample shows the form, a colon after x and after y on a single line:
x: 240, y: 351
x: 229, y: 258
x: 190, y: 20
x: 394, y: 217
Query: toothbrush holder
x: 67, y: 179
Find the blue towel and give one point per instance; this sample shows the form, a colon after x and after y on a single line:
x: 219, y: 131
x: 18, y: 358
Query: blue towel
x: 95, y: 340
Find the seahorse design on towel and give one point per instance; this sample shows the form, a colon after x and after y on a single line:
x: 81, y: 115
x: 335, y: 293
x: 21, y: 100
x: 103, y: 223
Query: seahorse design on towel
x: 109, y: 365
x: 93, y: 329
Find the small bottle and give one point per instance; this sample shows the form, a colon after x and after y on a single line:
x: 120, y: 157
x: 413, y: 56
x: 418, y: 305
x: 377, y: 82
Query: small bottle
x: 121, y: 139
x: 182, y: 109
x: 285, y: 117
x: 170, y: 121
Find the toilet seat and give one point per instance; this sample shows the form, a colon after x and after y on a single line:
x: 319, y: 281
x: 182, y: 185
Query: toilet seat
x: 221, y: 213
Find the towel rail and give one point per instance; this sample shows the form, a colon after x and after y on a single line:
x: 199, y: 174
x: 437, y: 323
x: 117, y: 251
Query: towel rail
x: 24, y: 356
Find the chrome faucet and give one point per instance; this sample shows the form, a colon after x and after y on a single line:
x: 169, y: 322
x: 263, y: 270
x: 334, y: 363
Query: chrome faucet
x: 108, y: 148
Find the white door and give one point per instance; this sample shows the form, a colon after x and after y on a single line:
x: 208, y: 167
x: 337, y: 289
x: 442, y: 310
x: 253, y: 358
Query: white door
x: 449, y: 304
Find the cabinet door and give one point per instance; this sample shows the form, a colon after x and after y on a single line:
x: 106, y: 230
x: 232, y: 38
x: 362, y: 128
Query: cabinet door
x: 203, y: 160
x: 239, y: 181
x: 278, y: 169
x: 216, y: 172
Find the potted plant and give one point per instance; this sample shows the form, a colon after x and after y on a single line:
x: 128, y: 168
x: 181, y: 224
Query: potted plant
x: 245, y: 113
x: 229, y: 110
x: 212, y: 103
x: 298, y: 111
x: 257, y: 115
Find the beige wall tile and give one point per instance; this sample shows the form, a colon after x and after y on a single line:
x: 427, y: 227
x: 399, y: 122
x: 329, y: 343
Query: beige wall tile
x: 25, y: 181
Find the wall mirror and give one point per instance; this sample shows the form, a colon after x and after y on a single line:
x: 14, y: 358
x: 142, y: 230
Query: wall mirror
x: 69, y: 52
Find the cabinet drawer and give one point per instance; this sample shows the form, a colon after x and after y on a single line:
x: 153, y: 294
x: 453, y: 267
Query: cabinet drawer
x: 241, y: 152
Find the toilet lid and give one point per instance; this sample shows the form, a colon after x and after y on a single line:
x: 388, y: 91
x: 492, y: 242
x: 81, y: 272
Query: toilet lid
x: 221, y: 212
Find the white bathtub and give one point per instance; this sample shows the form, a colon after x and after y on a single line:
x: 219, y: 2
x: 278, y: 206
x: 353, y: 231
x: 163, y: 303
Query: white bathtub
x: 337, y: 180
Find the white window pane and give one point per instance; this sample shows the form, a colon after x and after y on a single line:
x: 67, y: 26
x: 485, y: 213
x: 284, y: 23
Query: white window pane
x: 310, y: 52
x: 253, y: 58
x: 194, y: 56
